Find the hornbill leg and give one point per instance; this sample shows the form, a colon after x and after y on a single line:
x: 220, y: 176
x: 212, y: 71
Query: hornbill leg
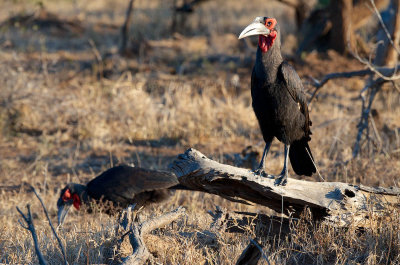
x: 260, y: 170
x: 282, y: 178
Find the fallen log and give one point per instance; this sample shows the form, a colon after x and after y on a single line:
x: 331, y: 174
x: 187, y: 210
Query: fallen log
x: 339, y: 203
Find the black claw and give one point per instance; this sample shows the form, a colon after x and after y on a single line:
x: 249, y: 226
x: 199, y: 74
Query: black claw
x: 261, y: 172
x: 281, y: 180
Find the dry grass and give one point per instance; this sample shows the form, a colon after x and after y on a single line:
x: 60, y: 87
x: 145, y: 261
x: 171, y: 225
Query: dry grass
x: 66, y: 117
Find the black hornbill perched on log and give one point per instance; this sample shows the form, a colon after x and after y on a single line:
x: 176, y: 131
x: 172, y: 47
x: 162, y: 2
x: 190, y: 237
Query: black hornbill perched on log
x: 279, y: 101
x: 119, y: 186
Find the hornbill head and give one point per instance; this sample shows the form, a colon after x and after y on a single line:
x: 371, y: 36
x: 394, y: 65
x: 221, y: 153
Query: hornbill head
x: 266, y: 28
x: 72, y: 194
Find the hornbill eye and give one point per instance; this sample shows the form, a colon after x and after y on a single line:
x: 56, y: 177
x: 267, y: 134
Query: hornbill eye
x: 269, y: 23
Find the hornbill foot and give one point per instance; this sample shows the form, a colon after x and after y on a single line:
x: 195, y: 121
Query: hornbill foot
x: 261, y: 172
x: 281, y: 180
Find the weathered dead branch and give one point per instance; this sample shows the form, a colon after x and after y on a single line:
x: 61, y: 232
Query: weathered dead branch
x: 384, y: 71
x: 51, y: 226
x: 31, y: 228
x: 375, y: 81
x: 336, y: 202
x: 140, y: 252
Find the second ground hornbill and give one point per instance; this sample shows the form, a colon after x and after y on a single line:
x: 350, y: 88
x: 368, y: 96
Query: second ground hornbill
x: 279, y: 101
x: 118, y: 187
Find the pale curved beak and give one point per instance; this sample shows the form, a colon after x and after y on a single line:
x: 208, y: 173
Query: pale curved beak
x: 255, y: 28
x: 63, y: 209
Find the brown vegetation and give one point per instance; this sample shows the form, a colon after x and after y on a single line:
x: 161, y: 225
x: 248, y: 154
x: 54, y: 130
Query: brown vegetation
x: 70, y: 107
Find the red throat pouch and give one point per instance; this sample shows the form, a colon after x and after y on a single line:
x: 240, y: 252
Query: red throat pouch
x: 77, y: 201
x: 265, y: 42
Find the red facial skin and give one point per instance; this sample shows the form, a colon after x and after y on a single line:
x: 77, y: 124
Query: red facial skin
x: 75, y: 197
x: 265, y: 42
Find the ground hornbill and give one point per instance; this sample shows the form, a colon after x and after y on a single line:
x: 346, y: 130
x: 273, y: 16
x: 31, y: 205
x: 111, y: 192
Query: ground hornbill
x: 279, y: 101
x: 117, y: 188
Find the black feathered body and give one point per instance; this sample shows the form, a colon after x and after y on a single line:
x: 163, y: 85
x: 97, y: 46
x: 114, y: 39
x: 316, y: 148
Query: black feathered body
x: 280, y: 106
x: 277, y: 113
x: 124, y: 185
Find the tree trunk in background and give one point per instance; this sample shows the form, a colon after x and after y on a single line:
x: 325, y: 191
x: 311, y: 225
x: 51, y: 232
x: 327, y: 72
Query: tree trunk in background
x: 392, y: 55
x: 126, y: 27
x: 302, y: 8
x: 341, y: 32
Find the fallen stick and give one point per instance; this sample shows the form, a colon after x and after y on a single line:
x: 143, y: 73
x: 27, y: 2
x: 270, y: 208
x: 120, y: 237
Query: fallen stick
x: 140, y: 253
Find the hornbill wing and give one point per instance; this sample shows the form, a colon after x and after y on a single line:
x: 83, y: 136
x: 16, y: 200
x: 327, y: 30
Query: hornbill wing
x: 122, y: 183
x: 296, y: 91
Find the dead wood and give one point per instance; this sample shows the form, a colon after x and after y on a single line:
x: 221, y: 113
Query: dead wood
x: 137, y: 230
x: 339, y: 203
x: 375, y: 81
x: 387, y: 53
x: 388, y: 72
x: 61, y: 246
x: 31, y: 228
x: 376, y: 77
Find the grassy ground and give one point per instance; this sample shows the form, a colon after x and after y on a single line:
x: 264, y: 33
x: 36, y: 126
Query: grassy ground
x: 67, y: 114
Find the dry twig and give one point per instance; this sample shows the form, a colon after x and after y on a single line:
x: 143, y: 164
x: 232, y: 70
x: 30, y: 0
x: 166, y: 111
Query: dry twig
x: 140, y: 252
x: 31, y: 228
x: 384, y: 71
x: 52, y: 227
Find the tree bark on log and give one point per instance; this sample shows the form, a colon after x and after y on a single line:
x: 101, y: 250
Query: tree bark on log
x: 340, y: 203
